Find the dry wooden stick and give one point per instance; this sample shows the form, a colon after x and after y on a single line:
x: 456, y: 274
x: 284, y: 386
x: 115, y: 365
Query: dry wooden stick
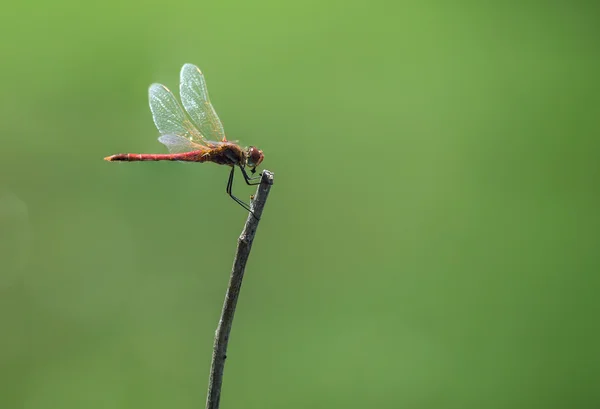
x: 233, y: 291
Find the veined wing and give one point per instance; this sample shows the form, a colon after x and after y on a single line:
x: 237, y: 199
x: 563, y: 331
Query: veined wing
x: 179, y: 144
x: 169, y: 117
x: 194, y: 95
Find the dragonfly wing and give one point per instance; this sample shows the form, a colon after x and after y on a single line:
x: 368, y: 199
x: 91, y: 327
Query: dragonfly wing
x: 166, y: 112
x: 194, y: 95
x: 169, y: 117
x: 178, y: 144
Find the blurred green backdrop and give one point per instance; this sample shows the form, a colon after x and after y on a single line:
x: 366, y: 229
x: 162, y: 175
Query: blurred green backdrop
x: 431, y: 240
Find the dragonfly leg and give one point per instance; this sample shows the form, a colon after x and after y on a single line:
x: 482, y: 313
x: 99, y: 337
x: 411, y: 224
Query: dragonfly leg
x: 249, y: 179
x: 229, y: 192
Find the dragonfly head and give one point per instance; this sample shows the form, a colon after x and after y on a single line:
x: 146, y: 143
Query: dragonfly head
x: 254, y: 157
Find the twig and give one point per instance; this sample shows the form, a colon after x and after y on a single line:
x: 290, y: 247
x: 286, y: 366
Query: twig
x: 233, y: 291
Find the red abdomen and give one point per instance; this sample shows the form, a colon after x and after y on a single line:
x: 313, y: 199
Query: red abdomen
x: 193, y: 156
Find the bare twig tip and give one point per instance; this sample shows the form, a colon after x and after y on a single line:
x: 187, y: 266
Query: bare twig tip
x: 268, y: 176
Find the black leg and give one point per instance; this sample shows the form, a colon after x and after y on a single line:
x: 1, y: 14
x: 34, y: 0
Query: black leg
x: 248, y: 179
x: 238, y: 201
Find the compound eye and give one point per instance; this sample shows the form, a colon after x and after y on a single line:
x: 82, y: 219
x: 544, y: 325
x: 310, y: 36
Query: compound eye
x: 255, y: 157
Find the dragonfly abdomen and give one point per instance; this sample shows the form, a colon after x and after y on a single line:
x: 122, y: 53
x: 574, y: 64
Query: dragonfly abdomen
x: 193, y: 156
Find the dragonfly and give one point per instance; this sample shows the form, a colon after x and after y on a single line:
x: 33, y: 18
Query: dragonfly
x: 195, y: 134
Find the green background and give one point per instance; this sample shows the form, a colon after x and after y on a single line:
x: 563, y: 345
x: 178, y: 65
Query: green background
x: 431, y: 240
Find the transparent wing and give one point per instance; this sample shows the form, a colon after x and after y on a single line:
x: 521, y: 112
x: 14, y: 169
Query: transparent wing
x: 194, y: 96
x: 169, y: 117
x: 178, y: 144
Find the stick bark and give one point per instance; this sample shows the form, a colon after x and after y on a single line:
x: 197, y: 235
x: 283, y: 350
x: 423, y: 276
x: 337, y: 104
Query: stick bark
x: 233, y: 291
